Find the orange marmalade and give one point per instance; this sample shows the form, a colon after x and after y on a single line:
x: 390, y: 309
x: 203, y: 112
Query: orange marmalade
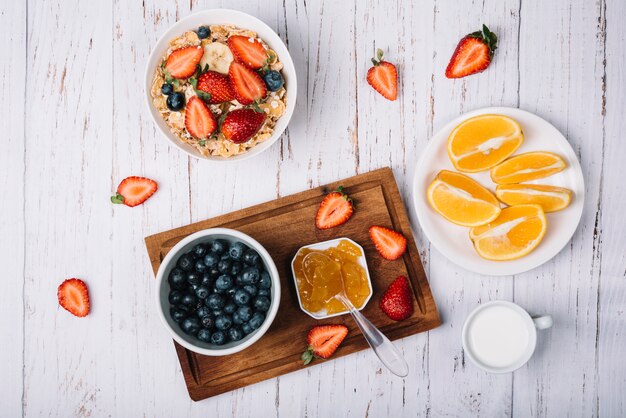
x: 325, y: 273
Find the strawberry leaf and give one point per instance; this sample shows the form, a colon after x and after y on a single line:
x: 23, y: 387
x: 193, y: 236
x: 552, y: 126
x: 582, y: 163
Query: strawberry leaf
x: 307, y: 356
x: 489, y: 38
x: 117, y: 199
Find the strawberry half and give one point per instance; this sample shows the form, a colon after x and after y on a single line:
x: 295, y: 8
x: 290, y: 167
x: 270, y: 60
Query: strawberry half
x: 74, y: 297
x: 217, y: 85
x: 397, y: 301
x: 182, y: 62
x: 248, y: 85
x: 336, y: 208
x: 241, y: 124
x: 199, y: 120
x: 133, y: 191
x: 323, y: 341
x: 383, y: 77
x: 248, y: 51
x: 473, y: 54
x: 389, y: 243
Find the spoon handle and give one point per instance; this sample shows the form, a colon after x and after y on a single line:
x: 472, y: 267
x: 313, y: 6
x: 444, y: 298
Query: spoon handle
x: 384, y: 349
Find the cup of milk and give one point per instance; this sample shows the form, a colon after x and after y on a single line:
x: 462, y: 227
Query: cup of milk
x: 500, y: 336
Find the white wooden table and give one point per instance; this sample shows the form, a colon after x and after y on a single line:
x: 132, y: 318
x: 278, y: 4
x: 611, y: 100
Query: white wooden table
x: 75, y: 124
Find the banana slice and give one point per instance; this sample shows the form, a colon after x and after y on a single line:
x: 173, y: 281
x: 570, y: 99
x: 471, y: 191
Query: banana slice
x: 217, y: 56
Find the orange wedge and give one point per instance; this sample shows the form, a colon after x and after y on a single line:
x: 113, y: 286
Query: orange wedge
x: 550, y: 198
x: 527, y: 167
x: 481, y: 142
x: 462, y: 200
x: 516, y: 232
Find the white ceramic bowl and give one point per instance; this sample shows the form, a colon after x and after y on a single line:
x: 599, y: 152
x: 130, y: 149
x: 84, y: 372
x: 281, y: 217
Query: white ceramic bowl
x: 163, y: 288
x: 323, y: 246
x: 244, y: 21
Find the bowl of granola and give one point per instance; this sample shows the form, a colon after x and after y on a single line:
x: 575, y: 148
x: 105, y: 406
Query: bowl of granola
x: 221, y: 85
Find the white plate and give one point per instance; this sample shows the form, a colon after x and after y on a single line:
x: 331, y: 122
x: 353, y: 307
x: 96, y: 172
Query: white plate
x: 453, y: 240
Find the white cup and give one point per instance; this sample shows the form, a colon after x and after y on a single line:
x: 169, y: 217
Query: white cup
x: 500, y: 336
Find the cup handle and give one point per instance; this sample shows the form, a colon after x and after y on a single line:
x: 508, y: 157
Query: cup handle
x: 543, y: 322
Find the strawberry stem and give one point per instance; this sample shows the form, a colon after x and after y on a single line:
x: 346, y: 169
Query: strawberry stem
x: 379, y: 57
x: 117, y: 199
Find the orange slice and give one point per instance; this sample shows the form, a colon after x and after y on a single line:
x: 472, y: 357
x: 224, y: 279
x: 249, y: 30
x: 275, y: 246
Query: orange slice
x: 462, y: 200
x: 550, y: 198
x: 526, y: 167
x: 481, y: 142
x: 516, y: 232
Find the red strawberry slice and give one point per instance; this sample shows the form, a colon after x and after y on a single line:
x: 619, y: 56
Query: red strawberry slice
x: 248, y: 51
x: 199, y: 120
x: 383, y: 77
x: 389, y: 243
x: 473, y: 54
x: 182, y: 62
x: 241, y: 124
x: 249, y: 86
x: 397, y: 301
x: 74, y: 297
x: 323, y: 341
x: 217, y: 85
x: 336, y: 208
x: 133, y: 191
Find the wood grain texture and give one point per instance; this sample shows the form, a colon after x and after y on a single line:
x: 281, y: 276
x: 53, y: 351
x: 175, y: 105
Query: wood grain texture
x: 83, y: 126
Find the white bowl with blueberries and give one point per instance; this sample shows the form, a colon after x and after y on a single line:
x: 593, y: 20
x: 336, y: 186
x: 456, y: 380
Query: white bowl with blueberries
x: 217, y: 291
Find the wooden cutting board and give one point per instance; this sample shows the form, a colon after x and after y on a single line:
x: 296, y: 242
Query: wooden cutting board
x: 282, y: 226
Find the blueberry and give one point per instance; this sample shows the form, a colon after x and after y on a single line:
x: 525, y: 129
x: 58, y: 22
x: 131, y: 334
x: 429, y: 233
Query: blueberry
x: 225, y: 256
x: 204, y: 335
x: 167, y: 89
x: 231, y: 292
x: 217, y: 312
x: 202, y: 292
x: 200, y: 266
x: 250, y: 275
x: 235, y: 334
x: 202, y: 311
x: 193, y: 278
x: 218, y: 338
x: 190, y: 325
x: 224, y: 266
x: 177, y: 278
x: 266, y: 281
x: 175, y: 101
x: 185, y: 262
x: 223, y: 322
x: 207, y: 321
x: 251, y: 257
x: 214, y: 301
x: 242, y: 297
x: 230, y: 308
x: 200, y: 250
x: 207, y: 280
x: 243, y: 314
x: 273, y: 80
x: 214, y: 272
x: 262, y: 303
x: 264, y: 292
x: 247, y: 328
x: 211, y: 259
x: 219, y: 246
x: 257, y: 320
x: 251, y: 289
x: 235, y: 268
x: 204, y: 32
x: 236, y: 250
x: 224, y: 282
x: 175, y: 297
x: 178, y: 314
x: 189, y: 300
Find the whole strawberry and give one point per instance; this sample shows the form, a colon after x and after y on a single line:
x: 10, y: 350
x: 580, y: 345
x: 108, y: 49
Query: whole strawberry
x: 217, y: 85
x: 241, y: 124
x: 473, y: 54
x: 397, y: 301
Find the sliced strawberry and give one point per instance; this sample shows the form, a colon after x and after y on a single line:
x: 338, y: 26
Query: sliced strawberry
x: 182, y: 62
x: 74, y: 297
x: 248, y: 51
x: 199, y: 120
x: 383, y: 77
x: 217, y: 85
x: 397, y: 301
x: 323, y: 341
x: 248, y: 85
x: 241, y: 124
x: 473, y: 54
x: 389, y: 243
x: 133, y: 191
x: 336, y: 208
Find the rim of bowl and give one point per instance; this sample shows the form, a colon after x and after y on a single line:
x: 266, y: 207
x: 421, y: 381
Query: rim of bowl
x: 275, y: 300
x: 289, y: 72
x: 364, y: 265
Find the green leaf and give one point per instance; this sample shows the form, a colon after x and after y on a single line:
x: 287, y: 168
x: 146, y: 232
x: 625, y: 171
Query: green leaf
x: 203, y: 95
x: 117, y: 199
x: 202, y: 143
x: 379, y: 54
x: 307, y: 356
x: 255, y: 106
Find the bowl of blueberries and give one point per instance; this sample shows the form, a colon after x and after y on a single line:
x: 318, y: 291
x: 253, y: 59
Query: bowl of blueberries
x: 217, y: 291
